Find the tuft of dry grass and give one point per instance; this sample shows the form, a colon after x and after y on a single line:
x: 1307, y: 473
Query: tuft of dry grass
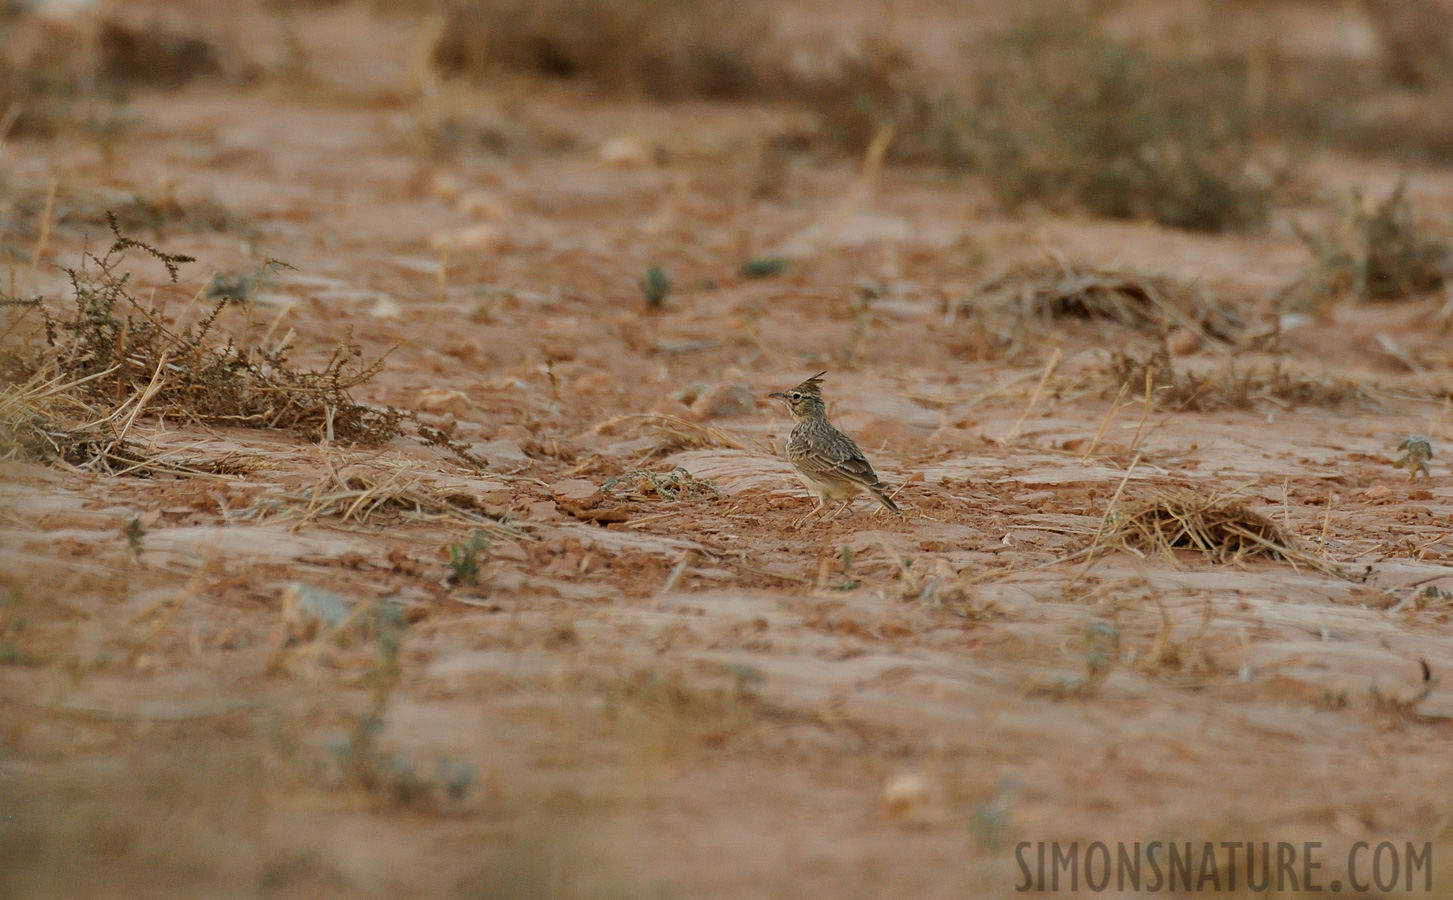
x: 1063, y: 291
x: 1071, y: 117
x: 1222, y: 528
x: 1227, y: 387
x: 1375, y: 252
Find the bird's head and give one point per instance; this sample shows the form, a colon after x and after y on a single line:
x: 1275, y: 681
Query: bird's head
x: 804, y: 400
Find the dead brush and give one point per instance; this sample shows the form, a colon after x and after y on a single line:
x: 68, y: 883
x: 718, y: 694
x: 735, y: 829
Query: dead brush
x: 1375, y: 252
x: 1228, y: 387
x: 1069, y: 116
x: 1188, y: 661
x: 1221, y: 528
x: 1061, y: 291
x: 112, y: 353
x: 939, y: 586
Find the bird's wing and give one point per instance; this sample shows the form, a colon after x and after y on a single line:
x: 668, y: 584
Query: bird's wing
x: 839, y: 456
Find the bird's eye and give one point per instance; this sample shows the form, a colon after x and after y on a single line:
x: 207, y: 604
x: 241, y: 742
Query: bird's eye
x: 796, y: 396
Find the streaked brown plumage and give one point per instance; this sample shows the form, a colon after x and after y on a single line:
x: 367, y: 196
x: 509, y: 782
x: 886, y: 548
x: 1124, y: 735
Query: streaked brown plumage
x: 826, y: 460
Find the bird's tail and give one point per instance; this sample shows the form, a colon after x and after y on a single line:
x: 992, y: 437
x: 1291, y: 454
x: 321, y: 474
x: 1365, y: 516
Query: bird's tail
x: 881, y: 494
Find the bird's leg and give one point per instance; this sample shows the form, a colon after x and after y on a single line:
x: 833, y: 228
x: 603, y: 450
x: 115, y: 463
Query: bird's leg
x: 814, y: 511
x: 846, y: 503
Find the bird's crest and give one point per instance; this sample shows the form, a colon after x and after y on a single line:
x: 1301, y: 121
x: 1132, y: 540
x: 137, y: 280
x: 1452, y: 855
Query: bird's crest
x: 812, y: 385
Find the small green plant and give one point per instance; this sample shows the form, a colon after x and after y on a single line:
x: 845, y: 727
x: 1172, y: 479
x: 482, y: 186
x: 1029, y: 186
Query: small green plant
x: 850, y: 581
x: 11, y: 624
x: 1417, y: 456
x: 656, y: 286
x: 764, y: 267
x: 464, y: 559
x: 1100, y: 642
x: 135, y: 535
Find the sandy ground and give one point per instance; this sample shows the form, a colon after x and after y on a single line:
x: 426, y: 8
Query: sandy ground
x: 654, y: 698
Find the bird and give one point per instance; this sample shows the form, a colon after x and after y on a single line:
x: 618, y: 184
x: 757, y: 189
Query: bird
x: 826, y: 460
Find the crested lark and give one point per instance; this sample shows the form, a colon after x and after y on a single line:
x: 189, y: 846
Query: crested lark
x: 828, y: 462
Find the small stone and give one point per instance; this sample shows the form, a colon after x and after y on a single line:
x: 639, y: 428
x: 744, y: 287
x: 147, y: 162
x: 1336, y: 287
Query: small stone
x: 482, y: 205
x: 724, y: 401
x: 577, y: 493
x: 626, y: 153
x: 461, y: 240
x: 1182, y: 342
x: 443, y: 401
x: 509, y: 550
x: 906, y: 797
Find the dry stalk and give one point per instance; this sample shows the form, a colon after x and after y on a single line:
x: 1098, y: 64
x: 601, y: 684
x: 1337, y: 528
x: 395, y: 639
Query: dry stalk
x: 1013, y: 435
x: 368, y: 498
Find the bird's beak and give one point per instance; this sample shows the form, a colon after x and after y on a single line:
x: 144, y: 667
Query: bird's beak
x: 778, y: 395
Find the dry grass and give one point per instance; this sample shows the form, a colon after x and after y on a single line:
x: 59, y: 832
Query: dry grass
x: 58, y: 76
x: 359, y: 496
x: 669, y: 716
x: 78, y: 210
x: 1375, y: 252
x: 1227, y: 387
x: 663, y: 50
x: 673, y: 432
x: 873, y: 86
x: 1221, y: 528
x: 1062, y: 291
x: 118, y: 359
x: 1417, y: 36
x: 1070, y: 117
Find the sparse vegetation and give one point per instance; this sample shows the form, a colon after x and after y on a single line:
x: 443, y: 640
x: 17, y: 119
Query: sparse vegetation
x: 81, y: 210
x: 1375, y: 252
x: 359, y: 495
x: 1227, y: 387
x: 684, y: 48
x: 1071, y: 117
x: 114, y: 358
x: 1100, y: 644
x: 674, y: 433
x: 1063, y: 291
